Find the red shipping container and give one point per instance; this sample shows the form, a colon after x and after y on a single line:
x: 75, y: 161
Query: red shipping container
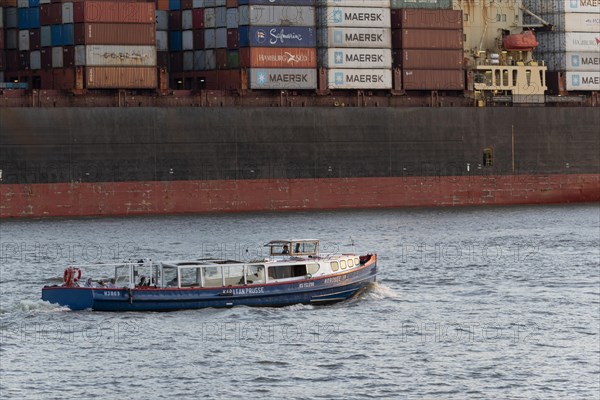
x: 34, y: 39
x: 433, y: 79
x: 12, y: 60
x: 198, y: 38
x: 120, y: 11
x: 187, y: 4
x: 24, y: 58
x: 274, y: 57
x: 2, y: 61
x: 433, y: 39
x: 64, y: 78
x: 198, y: 18
x: 423, y: 18
x: 231, y: 3
x: 221, y: 57
x: 50, y: 14
x: 174, y: 20
x: 128, y: 34
x: 162, y: 59
x: 46, y: 56
x: 46, y: 79
x: 176, y: 62
x: 232, y: 38
x: 121, y: 78
x: 1, y: 39
x: 68, y: 56
x: 429, y: 59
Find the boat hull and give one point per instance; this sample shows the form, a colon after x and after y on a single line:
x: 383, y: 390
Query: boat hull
x: 321, y: 290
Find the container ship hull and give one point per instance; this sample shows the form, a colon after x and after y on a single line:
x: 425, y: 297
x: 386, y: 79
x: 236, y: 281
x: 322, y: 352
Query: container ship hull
x: 116, y: 161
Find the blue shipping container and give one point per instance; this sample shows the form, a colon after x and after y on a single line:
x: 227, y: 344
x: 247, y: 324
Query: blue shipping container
x: 175, y: 41
x: 57, y: 35
x: 29, y: 18
x: 174, y: 4
x: 68, y: 34
x: 277, y: 2
x: 34, y: 3
x: 277, y: 36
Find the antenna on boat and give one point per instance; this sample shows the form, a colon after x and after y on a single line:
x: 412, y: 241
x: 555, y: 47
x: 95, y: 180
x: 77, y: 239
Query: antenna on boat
x: 352, y: 244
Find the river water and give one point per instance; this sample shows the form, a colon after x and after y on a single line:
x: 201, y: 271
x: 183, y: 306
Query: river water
x: 470, y: 303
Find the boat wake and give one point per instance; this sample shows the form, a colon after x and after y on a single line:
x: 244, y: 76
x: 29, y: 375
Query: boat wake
x: 32, y: 306
x: 376, y: 291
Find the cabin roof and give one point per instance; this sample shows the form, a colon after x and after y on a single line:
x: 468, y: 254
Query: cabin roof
x: 287, y: 241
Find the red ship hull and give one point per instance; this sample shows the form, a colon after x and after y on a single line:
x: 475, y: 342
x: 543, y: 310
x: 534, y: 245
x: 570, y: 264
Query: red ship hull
x: 137, y: 198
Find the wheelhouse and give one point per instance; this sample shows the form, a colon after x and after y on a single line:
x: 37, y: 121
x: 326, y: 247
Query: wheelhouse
x: 294, y: 248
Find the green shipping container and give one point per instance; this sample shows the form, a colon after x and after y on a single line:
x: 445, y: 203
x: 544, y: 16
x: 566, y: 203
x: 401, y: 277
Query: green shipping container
x: 233, y: 59
x: 445, y: 4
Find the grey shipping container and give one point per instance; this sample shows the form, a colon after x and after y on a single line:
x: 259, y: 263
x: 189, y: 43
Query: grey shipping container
x: 46, y: 36
x: 188, y: 60
x: 35, y: 60
x: 57, y: 57
x: 220, y: 17
x: 186, y: 19
x: 282, y: 78
x: 445, y: 4
x: 277, y: 15
x: 562, y: 6
x: 162, y: 20
x: 187, y: 40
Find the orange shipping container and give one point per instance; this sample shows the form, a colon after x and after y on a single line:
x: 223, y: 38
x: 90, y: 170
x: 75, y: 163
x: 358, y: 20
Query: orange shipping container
x: 121, y: 78
x: 114, y: 11
x: 273, y: 57
x: 162, y: 5
x: 127, y: 34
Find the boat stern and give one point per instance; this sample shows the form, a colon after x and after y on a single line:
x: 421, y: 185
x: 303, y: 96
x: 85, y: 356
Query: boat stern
x: 73, y: 297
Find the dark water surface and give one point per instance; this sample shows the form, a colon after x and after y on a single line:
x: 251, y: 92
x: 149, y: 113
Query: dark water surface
x: 470, y: 303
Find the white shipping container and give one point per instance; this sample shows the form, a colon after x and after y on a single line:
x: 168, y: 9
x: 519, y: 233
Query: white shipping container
x: 220, y: 3
x: 221, y: 38
x: 119, y: 56
x: 35, y: 60
x: 188, y: 60
x: 567, y: 42
x: 199, y: 60
x: 162, y: 40
x: 572, y: 61
x: 210, y: 38
x: 209, y: 18
x: 22, y: 3
x: 57, y: 57
x: 24, y: 40
x: 162, y: 20
x: 277, y: 15
x: 232, y: 18
x: 564, y: 6
x: 355, y: 3
x: 210, y: 60
x: 584, y: 81
x: 282, y: 78
x: 354, y: 17
x: 80, y: 55
x: 220, y: 17
x: 355, y: 58
x: 186, y: 19
x: 376, y: 38
x: 67, y: 13
x: 359, y: 79
x: 187, y: 40
x: 572, y: 22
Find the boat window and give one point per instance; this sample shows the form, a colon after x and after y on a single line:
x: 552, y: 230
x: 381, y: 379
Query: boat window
x: 280, y: 249
x: 143, y: 275
x: 234, y: 275
x: 287, y: 271
x: 170, y: 277
x: 312, y: 268
x: 213, y: 277
x: 488, y: 157
x: 122, y: 276
x: 350, y: 263
x: 335, y: 266
x: 255, y: 274
x: 356, y: 261
x: 190, y: 277
x: 343, y: 264
x: 305, y: 248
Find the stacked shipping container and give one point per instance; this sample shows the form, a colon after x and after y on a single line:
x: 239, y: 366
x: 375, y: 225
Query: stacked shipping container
x: 428, y: 47
x: 75, y: 44
x: 354, y: 41
x: 574, y: 46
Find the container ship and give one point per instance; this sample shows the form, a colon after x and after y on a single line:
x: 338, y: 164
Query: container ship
x: 151, y: 107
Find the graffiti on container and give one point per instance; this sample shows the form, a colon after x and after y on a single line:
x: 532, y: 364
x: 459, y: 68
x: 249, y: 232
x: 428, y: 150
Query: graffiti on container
x: 123, y: 56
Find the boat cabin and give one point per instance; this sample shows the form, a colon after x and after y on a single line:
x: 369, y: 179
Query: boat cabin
x: 294, y: 248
